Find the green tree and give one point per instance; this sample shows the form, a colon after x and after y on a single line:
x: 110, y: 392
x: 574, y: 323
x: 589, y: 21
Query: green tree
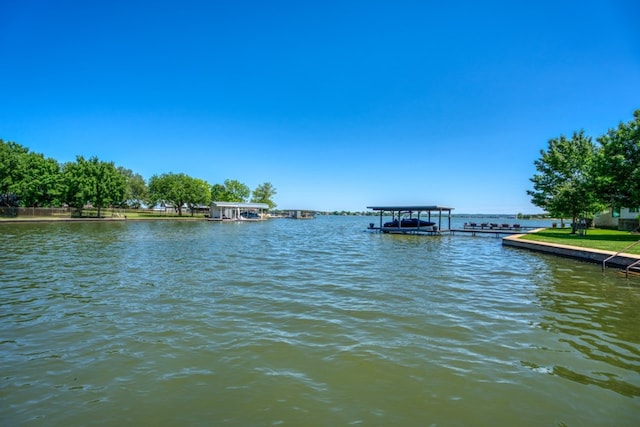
x: 218, y: 193
x: 179, y: 190
x: 12, y: 158
x: 564, y: 185
x: 73, y: 193
x: 92, y: 181
x: 237, y: 191
x: 264, y: 194
x: 199, y: 193
x: 136, y: 192
x: 231, y: 191
x: 41, y: 181
x: 618, y: 165
x: 26, y: 178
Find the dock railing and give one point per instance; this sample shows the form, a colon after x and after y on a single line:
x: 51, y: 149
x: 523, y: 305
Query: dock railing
x: 630, y: 266
x: 604, y: 263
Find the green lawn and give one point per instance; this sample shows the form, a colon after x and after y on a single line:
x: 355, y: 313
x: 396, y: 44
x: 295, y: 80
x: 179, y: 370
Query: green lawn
x: 609, y: 240
x: 107, y: 214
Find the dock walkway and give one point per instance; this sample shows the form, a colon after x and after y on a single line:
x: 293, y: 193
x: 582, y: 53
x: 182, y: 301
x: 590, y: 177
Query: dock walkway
x: 496, y: 230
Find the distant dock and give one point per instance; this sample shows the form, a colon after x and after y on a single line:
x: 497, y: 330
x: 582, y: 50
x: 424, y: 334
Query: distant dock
x: 492, y: 228
x: 428, y: 220
x: 415, y: 219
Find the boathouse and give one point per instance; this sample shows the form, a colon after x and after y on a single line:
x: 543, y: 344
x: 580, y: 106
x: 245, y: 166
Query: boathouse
x: 234, y: 211
x: 412, y: 219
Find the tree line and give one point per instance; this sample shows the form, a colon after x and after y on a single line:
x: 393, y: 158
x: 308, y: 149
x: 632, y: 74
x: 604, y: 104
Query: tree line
x: 577, y: 178
x: 29, y: 179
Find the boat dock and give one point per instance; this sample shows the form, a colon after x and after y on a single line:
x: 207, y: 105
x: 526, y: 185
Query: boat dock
x: 415, y: 219
x: 233, y: 211
x: 421, y: 219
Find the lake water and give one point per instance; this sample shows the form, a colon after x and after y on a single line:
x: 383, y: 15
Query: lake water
x: 307, y: 323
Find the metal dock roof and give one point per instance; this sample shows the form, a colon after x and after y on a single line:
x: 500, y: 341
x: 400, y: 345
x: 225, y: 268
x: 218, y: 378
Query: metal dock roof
x: 414, y: 208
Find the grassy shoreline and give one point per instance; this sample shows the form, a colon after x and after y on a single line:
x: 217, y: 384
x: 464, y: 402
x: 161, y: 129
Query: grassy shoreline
x: 107, y: 216
x: 595, y: 238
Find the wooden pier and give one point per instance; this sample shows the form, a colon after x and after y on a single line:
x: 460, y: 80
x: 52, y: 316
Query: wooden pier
x: 494, y: 229
x: 497, y: 232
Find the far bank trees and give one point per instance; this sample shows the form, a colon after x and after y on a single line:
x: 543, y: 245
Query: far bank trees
x: 235, y: 191
x: 264, y: 194
x: 231, y: 191
x: 178, y: 189
x: 27, y: 178
x: 30, y: 179
x: 136, y: 192
x: 92, y: 181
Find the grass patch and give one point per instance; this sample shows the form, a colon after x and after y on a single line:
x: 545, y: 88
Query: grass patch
x: 597, y: 238
x: 108, y: 214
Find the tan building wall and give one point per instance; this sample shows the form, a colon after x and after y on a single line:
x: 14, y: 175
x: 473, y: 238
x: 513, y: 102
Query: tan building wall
x: 628, y: 219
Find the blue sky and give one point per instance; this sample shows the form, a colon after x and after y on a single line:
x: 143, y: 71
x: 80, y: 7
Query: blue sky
x: 339, y: 104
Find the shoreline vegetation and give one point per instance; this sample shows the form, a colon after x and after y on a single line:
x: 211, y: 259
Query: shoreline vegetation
x: 594, y: 238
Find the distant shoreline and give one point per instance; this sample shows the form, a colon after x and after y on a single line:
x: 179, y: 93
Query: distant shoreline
x: 94, y: 219
x: 200, y: 218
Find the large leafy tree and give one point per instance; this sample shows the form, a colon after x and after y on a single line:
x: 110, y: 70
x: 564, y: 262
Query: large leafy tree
x: 563, y: 185
x: 264, y: 194
x: 93, y: 181
x: 231, y: 191
x: 12, y: 157
x: 199, y: 193
x: 73, y: 186
x: 179, y: 190
x: 237, y: 191
x: 41, y: 181
x: 136, y: 192
x: 617, y: 175
x: 27, y: 178
x: 218, y: 193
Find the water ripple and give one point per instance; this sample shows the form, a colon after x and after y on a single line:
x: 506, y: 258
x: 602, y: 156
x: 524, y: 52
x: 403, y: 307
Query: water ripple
x: 307, y: 322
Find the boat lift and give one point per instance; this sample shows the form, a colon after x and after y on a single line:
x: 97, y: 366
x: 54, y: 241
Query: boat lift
x: 414, y: 224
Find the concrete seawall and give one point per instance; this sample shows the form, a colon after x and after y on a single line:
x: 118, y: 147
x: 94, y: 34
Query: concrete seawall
x: 621, y: 260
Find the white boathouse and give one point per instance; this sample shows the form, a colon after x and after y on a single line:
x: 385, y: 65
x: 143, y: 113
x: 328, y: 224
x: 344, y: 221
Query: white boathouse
x: 234, y: 211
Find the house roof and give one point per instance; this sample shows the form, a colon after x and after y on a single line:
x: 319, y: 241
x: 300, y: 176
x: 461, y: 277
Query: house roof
x: 239, y: 205
x: 413, y: 208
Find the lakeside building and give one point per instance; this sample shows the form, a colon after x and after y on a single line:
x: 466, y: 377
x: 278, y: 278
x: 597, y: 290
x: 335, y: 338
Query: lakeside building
x: 624, y: 219
x: 233, y: 211
x: 301, y: 214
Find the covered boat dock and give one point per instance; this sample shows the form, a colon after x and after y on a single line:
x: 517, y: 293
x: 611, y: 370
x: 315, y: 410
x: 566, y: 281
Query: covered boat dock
x: 232, y: 211
x: 412, y: 219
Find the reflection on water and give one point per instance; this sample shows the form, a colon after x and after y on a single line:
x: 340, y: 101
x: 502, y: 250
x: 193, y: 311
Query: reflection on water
x: 307, y: 323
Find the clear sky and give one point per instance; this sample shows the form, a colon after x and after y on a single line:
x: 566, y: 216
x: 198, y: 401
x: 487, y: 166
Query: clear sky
x: 339, y: 104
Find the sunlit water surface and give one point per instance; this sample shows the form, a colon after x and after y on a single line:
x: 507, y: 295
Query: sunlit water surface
x: 314, y: 323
